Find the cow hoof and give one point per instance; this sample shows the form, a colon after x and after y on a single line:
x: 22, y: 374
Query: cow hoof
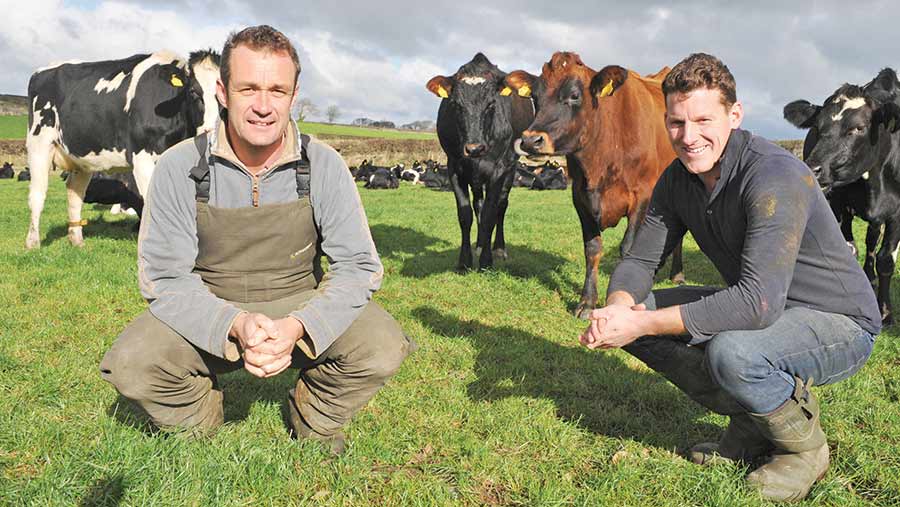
x: 887, y: 320
x: 500, y: 254
x: 76, y: 239
x: 678, y: 279
x: 583, y: 311
x: 32, y: 241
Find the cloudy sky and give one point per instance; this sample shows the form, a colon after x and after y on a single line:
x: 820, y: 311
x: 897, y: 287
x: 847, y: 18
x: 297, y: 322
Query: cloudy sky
x: 373, y: 58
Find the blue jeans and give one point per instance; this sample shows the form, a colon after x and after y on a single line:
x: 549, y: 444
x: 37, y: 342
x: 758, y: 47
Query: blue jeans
x: 757, y: 367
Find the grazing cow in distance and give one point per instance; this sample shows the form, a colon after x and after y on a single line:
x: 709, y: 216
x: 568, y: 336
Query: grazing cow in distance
x: 24, y: 175
x: 383, y: 178
x: 7, y: 171
x: 550, y: 177
x: 476, y: 127
x: 856, y: 144
x: 112, y: 115
x: 609, y: 125
x: 116, y: 188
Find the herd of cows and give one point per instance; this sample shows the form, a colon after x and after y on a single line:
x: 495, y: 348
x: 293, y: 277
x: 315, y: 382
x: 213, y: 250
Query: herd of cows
x: 119, y: 115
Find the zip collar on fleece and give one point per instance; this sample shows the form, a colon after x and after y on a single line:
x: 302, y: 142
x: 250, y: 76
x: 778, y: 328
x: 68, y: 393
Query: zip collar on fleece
x: 220, y: 148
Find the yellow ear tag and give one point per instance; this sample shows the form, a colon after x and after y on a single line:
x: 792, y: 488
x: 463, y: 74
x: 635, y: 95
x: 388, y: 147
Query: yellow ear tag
x: 442, y: 92
x: 607, y: 90
x: 506, y: 91
x: 525, y: 91
x: 176, y: 82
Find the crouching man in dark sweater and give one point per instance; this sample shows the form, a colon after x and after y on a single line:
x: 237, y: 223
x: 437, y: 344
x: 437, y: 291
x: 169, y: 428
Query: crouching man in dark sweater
x: 797, y: 311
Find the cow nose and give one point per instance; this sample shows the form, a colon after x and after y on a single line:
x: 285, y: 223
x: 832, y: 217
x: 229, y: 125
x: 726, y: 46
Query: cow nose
x: 475, y: 150
x: 533, y: 143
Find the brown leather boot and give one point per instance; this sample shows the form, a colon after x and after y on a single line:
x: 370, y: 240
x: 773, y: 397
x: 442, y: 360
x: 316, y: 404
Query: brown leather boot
x: 801, y: 452
x: 741, y: 441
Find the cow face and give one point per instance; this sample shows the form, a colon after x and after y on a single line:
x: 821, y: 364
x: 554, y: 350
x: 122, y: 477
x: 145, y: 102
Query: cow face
x: 203, y: 106
x: 841, y: 145
x: 479, y: 112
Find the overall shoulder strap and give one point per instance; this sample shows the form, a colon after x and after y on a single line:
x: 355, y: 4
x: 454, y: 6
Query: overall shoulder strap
x: 303, y: 168
x: 200, y: 172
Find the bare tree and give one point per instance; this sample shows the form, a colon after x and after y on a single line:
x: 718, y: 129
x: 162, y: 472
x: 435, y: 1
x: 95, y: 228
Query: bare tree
x: 332, y: 113
x: 304, y: 108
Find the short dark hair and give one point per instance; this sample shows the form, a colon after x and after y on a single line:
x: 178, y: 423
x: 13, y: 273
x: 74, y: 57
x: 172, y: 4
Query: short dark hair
x: 701, y: 70
x: 261, y: 37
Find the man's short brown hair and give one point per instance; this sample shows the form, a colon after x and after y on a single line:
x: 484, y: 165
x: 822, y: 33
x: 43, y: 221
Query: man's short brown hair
x: 701, y: 70
x: 262, y: 37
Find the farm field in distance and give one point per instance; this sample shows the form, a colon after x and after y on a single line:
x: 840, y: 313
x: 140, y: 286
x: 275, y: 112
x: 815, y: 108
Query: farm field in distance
x: 499, y: 406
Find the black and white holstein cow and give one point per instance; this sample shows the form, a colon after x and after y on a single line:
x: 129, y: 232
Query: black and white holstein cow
x: 113, y: 115
x: 7, y: 171
x: 854, y: 144
x: 476, y: 126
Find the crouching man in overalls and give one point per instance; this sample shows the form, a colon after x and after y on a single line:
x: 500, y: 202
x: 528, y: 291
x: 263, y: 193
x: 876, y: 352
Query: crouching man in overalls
x: 227, y: 258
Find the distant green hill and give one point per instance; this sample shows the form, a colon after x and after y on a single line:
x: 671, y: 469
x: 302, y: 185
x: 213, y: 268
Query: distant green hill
x: 14, y: 127
x: 13, y: 105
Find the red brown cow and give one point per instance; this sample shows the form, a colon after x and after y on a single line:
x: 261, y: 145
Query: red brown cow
x: 610, y: 127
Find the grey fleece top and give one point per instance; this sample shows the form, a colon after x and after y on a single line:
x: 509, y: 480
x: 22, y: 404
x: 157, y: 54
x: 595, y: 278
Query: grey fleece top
x: 769, y: 231
x: 167, y: 242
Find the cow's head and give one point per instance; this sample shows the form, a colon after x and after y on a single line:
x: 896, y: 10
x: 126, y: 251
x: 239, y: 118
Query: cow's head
x: 478, y: 110
x: 844, y: 132
x: 565, y: 95
x: 203, y: 108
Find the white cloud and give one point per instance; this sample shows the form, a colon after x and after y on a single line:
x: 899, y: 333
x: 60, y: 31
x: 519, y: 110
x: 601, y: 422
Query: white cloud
x: 373, y: 58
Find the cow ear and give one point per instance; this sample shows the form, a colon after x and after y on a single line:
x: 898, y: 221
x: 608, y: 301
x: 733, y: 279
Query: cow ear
x: 801, y: 114
x: 440, y: 86
x: 520, y: 82
x: 607, y: 81
x: 887, y: 115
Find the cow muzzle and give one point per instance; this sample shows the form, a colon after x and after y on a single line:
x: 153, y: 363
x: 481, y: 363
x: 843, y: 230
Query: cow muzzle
x: 474, y: 150
x: 536, y: 143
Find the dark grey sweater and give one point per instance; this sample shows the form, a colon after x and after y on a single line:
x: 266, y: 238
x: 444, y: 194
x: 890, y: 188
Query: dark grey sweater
x: 768, y: 230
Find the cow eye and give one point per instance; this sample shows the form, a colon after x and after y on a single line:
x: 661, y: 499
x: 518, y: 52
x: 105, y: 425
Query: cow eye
x: 859, y: 129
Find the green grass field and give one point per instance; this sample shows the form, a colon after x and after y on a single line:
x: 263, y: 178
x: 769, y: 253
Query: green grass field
x: 15, y: 127
x: 499, y: 406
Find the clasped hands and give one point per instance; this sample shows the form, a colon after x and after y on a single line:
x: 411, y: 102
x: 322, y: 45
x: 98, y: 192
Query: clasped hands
x: 266, y: 344
x: 614, y: 325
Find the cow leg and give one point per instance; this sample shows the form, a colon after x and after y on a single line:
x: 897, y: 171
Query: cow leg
x: 499, y: 250
x: 143, y: 169
x: 487, y: 221
x: 885, y: 264
x: 587, y: 204
x: 75, y: 188
x: 40, y: 160
x: 463, y: 214
x: 846, y: 222
x: 873, y: 234
x: 676, y: 274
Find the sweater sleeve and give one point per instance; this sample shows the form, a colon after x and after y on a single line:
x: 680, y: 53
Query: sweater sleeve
x: 776, y: 203
x: 658, y: 235
x: 167, y: 251
x: 355, y: 271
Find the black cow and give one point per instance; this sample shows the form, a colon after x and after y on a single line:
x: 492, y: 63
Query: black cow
x: 476, y: 126
x: 437, y: 177
x: 550, y: 177
x: 383, y: 178
x: 24, y: 175
x: 854, y: 150
x: 112, y: 115
x: 116, y: 188
x: 7, y: 172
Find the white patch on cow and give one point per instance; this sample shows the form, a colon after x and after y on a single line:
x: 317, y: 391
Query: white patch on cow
x: 104, y: 85
x: 158, y: 58
x: 206, y: 72
x: 54, y: 65
x: 854, y: 103
x: 105, y: 160
x: 865, y: 175
x: 472, y: 80
x: 895, y: 252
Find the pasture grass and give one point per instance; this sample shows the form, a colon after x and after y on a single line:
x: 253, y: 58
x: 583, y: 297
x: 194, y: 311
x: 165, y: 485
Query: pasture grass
x: 499, y: 406
x: 15, y: 127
